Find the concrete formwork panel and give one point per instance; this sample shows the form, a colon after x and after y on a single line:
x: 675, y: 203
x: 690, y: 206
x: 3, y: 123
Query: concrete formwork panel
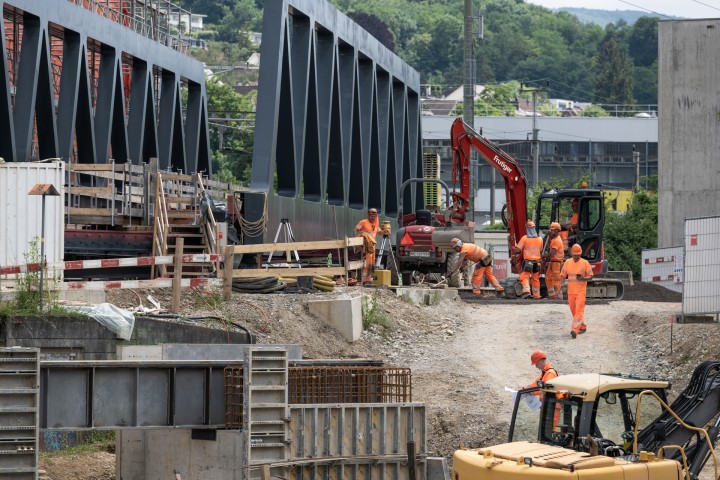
x: 689, y: 146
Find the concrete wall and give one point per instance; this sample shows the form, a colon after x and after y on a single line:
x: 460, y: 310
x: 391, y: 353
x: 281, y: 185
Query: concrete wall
x: 689, y: 144
x: 78, y: 338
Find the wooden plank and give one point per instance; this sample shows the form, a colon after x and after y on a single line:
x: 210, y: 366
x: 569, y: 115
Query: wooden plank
x: 96, y: 167
x: 183, y: 200
x: 356, y: 265
x: 287, y: 272
x: 300, y: 246
x: 91, y: 190
x: 177, y: 277
x: 229, y: 262
x: 98, y: 212
x: 178, y: 177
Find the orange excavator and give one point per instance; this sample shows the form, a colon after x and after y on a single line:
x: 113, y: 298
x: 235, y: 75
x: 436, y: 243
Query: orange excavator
x: 552, y: 206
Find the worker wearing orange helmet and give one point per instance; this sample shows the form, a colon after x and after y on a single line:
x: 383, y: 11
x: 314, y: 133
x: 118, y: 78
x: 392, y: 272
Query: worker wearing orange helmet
x: 531, y: 246
x: 483, y: 264
x: 555, y: 257
x: 368, y: 228
x: 547, y: 372
x: 577, y: 271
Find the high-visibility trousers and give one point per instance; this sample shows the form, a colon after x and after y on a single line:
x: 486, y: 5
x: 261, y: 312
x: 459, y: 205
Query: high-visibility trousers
x: 369, y: 267
x: 553, y: 280
x: 576, y: 301
x: 526, y: 278
x: 481, y: 272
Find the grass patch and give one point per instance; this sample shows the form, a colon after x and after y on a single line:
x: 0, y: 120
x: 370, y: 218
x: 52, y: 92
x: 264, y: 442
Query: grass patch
x: 372, y: 314
x: 95, y: 441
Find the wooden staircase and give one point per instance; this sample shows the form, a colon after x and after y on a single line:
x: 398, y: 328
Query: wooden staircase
x: 177, y: 216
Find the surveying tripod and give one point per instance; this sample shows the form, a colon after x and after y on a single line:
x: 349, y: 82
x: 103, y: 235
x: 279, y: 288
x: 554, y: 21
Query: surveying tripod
x: 288, y: 236
x: 384, y: 244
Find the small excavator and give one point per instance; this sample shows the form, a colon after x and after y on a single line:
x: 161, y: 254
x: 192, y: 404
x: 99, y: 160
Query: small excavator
x: 552, y: 205
x: 604, y: 427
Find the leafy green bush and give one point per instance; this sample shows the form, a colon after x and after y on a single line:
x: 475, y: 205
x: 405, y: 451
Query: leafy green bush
x: 627, y: 235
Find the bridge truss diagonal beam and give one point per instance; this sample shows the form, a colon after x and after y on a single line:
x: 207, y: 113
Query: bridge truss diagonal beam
x: 334, y: 103
x: 82, y: 87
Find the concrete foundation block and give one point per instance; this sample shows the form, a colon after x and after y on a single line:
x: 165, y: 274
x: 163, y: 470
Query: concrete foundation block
x: 93, y: 297
x: 426, y: 296
x: 343, y: 314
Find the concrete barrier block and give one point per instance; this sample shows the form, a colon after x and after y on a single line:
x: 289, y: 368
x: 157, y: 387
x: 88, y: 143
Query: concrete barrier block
x: 343, y: 314
x: 426, y: 296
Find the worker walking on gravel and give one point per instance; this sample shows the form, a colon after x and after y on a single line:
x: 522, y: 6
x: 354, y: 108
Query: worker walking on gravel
x: 483, y: 264
x: 555, y: 257
x: 577, y: 271
x: 531, y: 246
x: 368, y: 228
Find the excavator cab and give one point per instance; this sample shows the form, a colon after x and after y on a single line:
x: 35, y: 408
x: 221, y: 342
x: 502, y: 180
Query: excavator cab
x: 581, y: 213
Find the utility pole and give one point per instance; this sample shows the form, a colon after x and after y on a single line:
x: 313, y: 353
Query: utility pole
x: 469, y: 93
x: 636, y: 161
x: 535, y: 142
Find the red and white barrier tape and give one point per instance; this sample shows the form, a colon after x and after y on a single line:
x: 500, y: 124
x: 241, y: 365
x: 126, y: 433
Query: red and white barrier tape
x: 112, y: 263
x: 157, y: 283
x: 659, y: 260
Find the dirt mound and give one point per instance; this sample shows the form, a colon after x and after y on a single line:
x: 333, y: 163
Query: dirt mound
x: 651, y: 292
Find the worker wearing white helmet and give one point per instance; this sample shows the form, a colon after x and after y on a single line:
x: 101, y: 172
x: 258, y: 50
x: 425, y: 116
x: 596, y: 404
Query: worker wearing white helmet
x: 577, y: 271
x: 470, y: 252
x: 531, y: 246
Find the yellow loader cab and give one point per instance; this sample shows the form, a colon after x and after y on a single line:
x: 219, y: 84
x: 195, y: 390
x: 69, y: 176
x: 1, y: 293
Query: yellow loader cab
x: 605, y: 427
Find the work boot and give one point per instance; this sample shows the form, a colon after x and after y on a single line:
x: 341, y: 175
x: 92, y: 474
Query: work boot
x: 583, y: 330
x: 573, y: 334
x: 525, y: 295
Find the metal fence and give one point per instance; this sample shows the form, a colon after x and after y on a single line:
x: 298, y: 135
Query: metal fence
x: 702, y: 266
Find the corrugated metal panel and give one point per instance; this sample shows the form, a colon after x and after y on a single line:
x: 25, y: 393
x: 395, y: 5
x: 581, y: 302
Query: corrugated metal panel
x: 702, y: 265
x: 21, y: 214
x: 359, y: 441
x: 663, y: 266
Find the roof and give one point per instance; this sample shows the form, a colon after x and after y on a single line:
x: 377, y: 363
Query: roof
x: 590, y: 385
x: 551, y: 129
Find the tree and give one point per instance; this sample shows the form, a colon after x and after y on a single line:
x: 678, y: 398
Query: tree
x: 626, y: 235
x: 595, y: 111
x: 614, y: 81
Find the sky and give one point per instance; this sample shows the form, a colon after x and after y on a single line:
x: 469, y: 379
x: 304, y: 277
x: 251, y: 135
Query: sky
x: 676, y: 8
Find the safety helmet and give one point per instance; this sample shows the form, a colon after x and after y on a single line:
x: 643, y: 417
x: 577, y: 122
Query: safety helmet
x: 575, y: 201
x: 530, y: 224
x: 455, y: 242
x: 555, y: 226
x: 536, y: 356
x: 583, y: 185
x: 576, y: 249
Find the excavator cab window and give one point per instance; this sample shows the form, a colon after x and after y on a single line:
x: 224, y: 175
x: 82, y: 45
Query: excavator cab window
x: 616, y: 415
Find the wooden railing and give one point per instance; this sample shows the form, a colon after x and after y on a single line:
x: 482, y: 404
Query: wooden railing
x: 161, y: 226
x: 211, y: 228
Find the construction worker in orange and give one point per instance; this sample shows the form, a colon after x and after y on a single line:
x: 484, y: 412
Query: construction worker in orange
x: 555, y: 257
x: 368, y: 228
x: 547, y: 371
x: 470, y: 252
x: 569, y: 229
x: 577, y: 271
x: 531, y: 246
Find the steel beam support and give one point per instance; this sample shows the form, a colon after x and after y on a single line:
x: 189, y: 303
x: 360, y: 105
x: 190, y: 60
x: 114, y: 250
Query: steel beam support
x: 81, y: 395
x: 98, y: 130
x: 334, y: 101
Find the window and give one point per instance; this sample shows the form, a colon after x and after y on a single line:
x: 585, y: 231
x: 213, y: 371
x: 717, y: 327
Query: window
x: 590, y: 213
x: 616, y: 415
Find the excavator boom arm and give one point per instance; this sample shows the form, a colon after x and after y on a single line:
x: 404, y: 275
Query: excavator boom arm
x: 464, y: 138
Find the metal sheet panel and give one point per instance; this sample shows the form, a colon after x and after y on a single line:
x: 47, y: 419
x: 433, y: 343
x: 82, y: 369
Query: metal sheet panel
x: 496, y: 242
x: 702, y: 265
x: 663, y: 266
x: 356, y: 441
x: 21, y: 214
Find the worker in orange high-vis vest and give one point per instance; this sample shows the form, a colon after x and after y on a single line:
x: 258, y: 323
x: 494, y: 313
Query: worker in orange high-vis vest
x: 569, y: 231
x: 555, y: 258
x: 531, y: 246
x: 547, y: 372
x: 577, y: 271
x: 368, y: 228
x: 483, y: 264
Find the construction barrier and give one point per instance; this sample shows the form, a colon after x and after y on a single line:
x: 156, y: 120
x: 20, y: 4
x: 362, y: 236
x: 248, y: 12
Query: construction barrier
x: 663, y: 266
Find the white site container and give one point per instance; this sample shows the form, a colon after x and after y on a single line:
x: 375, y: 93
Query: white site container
x: 21, y: 214
x: 702, y: 266
x: 663, y: 266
